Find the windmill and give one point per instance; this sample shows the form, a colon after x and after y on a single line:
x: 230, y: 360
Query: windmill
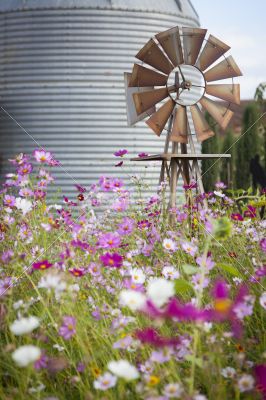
x: 171, y: 84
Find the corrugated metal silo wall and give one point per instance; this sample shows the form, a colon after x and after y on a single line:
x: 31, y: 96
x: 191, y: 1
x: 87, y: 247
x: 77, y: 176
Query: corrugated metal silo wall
x: 61, y: 78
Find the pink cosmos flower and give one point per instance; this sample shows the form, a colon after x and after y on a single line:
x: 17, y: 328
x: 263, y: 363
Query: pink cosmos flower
x: 42, y: 156
x: 141, y: 155
x: 112, y: 260
x: 78, y: 272
x: 120, y: 153
x: 150, y: 336
x: 126, y: 226
x: 263, y: 245
x: 68, y: 328
x: 105, y: 381
x: 250, y: 212
x: 42, y: 265
x: 109, y: 240
x: 9, y: 200
x: 25, y: 192
x: 189, y: 248
x: 260, y: 372
x: 237, y: 217
x: 25, y: 169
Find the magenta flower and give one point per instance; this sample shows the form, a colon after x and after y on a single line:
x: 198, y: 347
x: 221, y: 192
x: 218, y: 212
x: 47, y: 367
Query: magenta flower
x: 260, y: 372
x: 106, y: 184
x: 81, y: 189
x: 250, y: 212
x: 120, y: 153
x: 9, y: 200
x: 42, y: 156
x: 25, y: 169
x: 68, y: 328
x: 141, y: 155
x: 109, y: 240
x: 78, y: 272
x: 144, y: 224
x: 41, y: 362
x: 119, y: 164
x: 263, y: 245
x: 42, y: 265
x: 150, y: 336
x: 126, y: 226
x: 237, y: 217
x: 112, y: 260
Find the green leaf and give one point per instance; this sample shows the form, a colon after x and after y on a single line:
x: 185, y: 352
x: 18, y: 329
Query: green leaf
x: 189, y: 269
x: 198, y: 361
x: 230, y: 269
x: 182, y: 286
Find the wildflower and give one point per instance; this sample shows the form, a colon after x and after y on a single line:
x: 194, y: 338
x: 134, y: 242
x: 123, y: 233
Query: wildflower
x: 7, y: 255
x: 132, y: 299
x: 152, y: 380
x: 219, y: 194
x: 68, y: 328
x: 245, y: 383
x: 105, y: 381
x: 244, y: 308
x: 150, y: 336
x: 260, y: 372
x: 120, y: 153
x: 24, y: 325
x: 220, y: 185
x: 263, y: 245
x: 109, y: 240
x: 141, y: 155
x: 25, y: 169
x: 126, y: 226
x: 5, y: 284
x: 52, y: 281
x: 42, y: 156
x: 228, y: 372
x: 263, y: 300
x: 237, y: 217
x: 123, y: 369
x: 207, y: 263
x: 250, y: 212
x: 189, y: 248
x: 169, y: 245
x: 112, y: 260
x: 173, y: 390
x: 137, y: 276
x: 144, y: 224
x: 160, y: 290
x: 9, y: 200
x: 42, y: 265
x: 41, y: 362
x: 198, y: 283
x: 24, y: 205
x: 123, y: 343
x: 25, y: 355
x: 170, y: 272
x: 77, y: 271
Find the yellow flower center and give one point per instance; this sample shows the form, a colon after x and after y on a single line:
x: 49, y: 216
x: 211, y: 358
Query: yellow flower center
x: 222, y: 305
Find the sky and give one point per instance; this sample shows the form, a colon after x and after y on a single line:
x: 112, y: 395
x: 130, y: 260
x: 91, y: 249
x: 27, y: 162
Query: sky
x: 242, y: 25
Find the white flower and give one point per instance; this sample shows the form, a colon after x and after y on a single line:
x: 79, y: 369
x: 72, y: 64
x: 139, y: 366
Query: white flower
x: 18, y: 304
x: 246, y: 382
x: 169, y: 272
x: 24, y: 325
x: 219, y: 194
x: 25, y: 355
x: 169, y: 244
x: 105, y: 381
x: 228, y: 372
x: 173, y: 390
x: 123, y: 369
x: 24, y: 205
x: 160, y: 290
x: 132, y: 299
x: 137, y: 275
x: 52, y: 281
x: 263, y: 300
x: 199, y: 397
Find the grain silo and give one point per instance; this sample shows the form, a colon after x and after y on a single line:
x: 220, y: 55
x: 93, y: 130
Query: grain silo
x: 61, y: 79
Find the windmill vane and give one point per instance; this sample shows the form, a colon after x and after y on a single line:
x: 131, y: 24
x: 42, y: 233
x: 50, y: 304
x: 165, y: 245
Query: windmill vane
x: 171, y: 83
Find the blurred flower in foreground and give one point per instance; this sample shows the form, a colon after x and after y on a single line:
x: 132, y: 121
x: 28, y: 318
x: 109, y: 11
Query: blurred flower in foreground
x: 24, y: 325
x: 123, y: 369
x: 26, y: 355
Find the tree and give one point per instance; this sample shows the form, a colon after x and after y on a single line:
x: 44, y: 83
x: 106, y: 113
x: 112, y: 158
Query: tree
x: 210, y: 168
x: 246, y: 147
x: 259, y: 97
x: 227, y: 164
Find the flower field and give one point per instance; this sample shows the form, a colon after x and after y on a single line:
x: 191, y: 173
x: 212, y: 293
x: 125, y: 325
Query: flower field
x: 127, y: 303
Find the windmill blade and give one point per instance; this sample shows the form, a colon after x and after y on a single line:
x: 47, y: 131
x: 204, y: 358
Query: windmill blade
x: 142, y: 76
x: 158, y: 120
x: 225, y: 69
x: 230, y: 92
x: 171, y: 43
x: 179, y: 131
x: 213, y: 49
x: 220, y: 113
x: 145, y: 100
x: 152, y: 55
x: 132, y: 116
x: 192, y: 41
x: 202, y: 129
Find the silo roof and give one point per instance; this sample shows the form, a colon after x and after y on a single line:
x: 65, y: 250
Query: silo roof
x: 173, y: 7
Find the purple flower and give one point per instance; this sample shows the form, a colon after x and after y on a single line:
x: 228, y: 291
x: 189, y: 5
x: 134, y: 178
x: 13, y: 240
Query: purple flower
x: 141, y: 155
x: 263, y: 245
x: 126, y: 226
x: 7, y: 255
x: 112, y: 260
x: 25, y: 169
x: 41, y: 362
x: 120, y: 153
x: 237, y: 217
x: 42, y: 265
x: 105, y: 381
x: 68, y: 328
x: 150, y: 336
x: 42, y: 156
x: 5, y: 284
x: 9, y: 200
x: 109, y: 240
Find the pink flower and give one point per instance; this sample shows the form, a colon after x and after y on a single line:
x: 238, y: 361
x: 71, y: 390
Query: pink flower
x: 237, y: 217
x: 112, y: 260
x: 263, y: 245
x: 42, y: 156
x: 109, y: 240
x: 9, y: 200
x: 250, y: 212
x: 126, y: 226
x: 42, y: 265
x: 141, y: 155
x: 25, y: 169
x: 189, y: 248
x: 77, y: 271
x: 150, y: 336
x: 120, y: 153
x: 68, y: 328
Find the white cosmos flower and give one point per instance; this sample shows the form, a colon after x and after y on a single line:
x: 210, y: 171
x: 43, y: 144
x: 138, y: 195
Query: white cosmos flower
x: 169, y: 244
x: 219, y: 194
x: 123, y: 369
x: 228, y: 372
x: 245, y: 383
x: 160, y: 290
x: 137, y: 275
x: 25, y: 355
x: 24, y: 205
x: 263, y: 300
x: 132, y: 299
x: 24, y: 325
x: 169, y: 272
x: 52, y: 281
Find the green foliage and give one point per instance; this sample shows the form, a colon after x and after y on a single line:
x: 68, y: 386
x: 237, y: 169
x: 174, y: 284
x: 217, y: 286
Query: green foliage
x: 247, y: 146
x: 210, y: 168
x: 227, y: 165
